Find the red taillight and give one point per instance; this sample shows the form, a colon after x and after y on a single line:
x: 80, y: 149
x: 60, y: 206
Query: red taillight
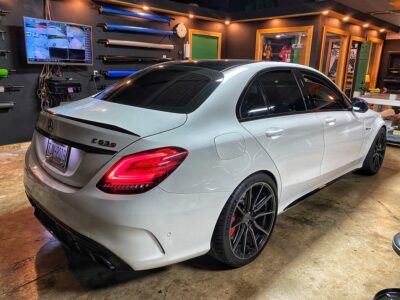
x: 142, y: 171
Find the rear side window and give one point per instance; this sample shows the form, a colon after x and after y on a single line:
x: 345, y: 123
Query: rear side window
x: 178, y: 88
x: 253, y: 103
x: 321, y: 97
x: 282, y: 91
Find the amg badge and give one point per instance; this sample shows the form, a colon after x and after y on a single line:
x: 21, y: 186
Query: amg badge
x: 104, y: 143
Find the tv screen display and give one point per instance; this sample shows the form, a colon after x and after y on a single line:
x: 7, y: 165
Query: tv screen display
x: 51, y: 42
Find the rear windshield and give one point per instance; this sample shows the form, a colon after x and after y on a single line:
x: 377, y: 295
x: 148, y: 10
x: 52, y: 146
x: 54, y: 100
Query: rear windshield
x: 174, y: 88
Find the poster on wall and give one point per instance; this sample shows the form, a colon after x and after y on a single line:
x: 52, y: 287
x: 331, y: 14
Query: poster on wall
x: 353, y: 59
x: 283, y: 47
x: 333, y: 59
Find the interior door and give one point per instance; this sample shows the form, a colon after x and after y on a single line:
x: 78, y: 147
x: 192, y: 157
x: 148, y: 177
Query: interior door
x: 292, y: 138
x: 343, y: 131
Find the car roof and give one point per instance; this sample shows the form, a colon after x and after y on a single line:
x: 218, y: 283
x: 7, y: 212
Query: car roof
x: 223, y: 65
x: 220, y: 65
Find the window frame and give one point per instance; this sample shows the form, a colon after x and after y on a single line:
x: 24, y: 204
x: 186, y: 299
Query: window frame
x: 325, y: 82
x: 268, y: 114
x: 243, y: 97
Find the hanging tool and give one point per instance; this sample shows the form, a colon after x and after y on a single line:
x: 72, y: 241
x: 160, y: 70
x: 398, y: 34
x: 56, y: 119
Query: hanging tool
x: 132, y: 59
x: 6, y: 106
x: 4, y: 52
x: 3, y: 13
x: 10, y: 88
x: 5, y: 72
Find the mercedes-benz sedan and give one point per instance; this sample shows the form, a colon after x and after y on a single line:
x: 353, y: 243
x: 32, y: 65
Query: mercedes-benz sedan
x: 186, y: 158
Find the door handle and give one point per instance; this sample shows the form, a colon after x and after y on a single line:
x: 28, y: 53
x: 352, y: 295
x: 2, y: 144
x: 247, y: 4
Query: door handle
x: 274, y: 132
x: 330, y: 121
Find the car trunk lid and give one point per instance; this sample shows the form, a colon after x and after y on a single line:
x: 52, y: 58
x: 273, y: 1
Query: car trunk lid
x: 73, y: 142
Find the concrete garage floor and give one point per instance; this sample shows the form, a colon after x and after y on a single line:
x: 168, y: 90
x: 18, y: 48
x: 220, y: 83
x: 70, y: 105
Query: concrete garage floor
x: 335, y: 245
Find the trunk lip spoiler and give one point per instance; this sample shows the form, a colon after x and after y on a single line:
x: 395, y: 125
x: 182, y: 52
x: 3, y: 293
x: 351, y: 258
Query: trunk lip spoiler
x: 83, y: 147
x: 94, y: 123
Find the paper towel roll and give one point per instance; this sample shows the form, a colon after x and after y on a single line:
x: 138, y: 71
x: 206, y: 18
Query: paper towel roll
x: 187, y: 49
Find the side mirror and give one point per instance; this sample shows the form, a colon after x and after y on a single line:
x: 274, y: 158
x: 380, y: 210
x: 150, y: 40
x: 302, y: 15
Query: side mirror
x: 359, y: 105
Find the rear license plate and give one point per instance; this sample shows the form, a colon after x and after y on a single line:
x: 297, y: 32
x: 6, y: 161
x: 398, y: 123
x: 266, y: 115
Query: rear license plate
x: 57, y: 155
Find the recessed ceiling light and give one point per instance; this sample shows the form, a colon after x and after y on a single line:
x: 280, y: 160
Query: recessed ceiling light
x: 346, y: 19
x: 365, y: 25
x: 145, y: 7
x: 382, y: 30
x: 191, y: 16
x: 227, y: 22
x: 325, y: 12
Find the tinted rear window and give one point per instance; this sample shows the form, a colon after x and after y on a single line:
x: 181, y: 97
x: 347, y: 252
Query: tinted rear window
x: 175, y: 88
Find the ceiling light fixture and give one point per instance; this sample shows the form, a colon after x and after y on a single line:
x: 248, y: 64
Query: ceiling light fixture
x: 382, y: 30
x: 227, y: 22
x: 191, y: 16
x: 325, y: 12
x: 346, y: 19
x: 145, y: 7
x: 365, y: 25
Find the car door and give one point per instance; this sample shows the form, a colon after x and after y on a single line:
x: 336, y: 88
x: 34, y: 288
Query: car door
x: 292, y: 137
x: 343, y: 130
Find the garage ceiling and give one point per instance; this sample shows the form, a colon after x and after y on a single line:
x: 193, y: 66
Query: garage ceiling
x: 386, y: 10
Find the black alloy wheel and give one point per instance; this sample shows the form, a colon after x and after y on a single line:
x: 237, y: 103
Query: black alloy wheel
x: 379, y: 151
x: 252, y: 220
x: 246, y: 222
x: 376, y: 154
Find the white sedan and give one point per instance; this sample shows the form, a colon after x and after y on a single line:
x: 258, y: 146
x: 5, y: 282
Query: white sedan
x: 186, y: 158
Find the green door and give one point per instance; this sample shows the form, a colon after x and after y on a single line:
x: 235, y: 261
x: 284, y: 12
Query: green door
x: 362, y: 66
x: 204, y: 46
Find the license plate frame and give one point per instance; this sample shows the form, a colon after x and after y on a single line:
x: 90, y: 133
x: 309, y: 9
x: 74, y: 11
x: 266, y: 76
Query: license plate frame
x: 57, y: 155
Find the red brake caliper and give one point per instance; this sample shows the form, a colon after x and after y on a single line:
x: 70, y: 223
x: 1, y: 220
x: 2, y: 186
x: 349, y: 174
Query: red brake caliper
x: 233, y: 230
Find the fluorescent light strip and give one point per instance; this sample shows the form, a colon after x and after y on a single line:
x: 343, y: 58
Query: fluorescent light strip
x: 114, y: 27
x: 123, y: 12
x: 112, y: 42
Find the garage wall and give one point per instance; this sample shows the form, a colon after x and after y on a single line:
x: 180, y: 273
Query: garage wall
x: 17, y: 125
x: 242, y: 36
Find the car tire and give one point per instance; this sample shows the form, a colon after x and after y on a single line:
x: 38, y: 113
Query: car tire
x: 374, y: 159
x: 246, y: 222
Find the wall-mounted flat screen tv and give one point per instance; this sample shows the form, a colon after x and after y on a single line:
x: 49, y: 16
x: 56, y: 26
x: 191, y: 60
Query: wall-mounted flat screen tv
x: 59, y: 43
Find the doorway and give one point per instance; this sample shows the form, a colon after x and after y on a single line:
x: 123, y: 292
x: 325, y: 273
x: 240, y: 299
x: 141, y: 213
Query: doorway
x: 353, y: 57
x: 333, y: 55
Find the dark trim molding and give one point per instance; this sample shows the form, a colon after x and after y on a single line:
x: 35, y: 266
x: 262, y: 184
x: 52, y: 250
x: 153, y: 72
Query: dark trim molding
x: 86, y: 148
x: 93, y: 123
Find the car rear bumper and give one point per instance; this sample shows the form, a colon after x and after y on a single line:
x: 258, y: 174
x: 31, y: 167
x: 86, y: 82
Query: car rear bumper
x: 76, y: 241
x: 145, y: 231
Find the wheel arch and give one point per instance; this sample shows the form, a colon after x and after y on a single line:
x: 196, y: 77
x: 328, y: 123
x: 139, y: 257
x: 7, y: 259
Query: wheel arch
x: 266, y: 172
